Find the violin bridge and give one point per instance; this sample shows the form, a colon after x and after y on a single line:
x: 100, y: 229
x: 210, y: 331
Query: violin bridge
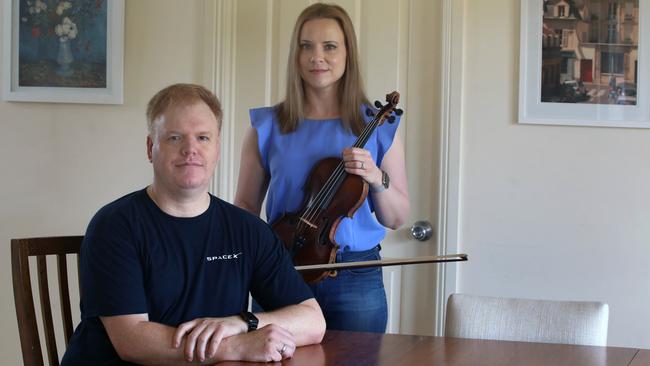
x: 308, y: 223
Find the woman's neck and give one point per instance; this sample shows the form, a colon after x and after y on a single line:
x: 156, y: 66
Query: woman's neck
x: 322, y: 104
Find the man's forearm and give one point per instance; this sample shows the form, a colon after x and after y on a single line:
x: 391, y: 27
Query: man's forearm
x: 305, y: 321
x: 149, y: 343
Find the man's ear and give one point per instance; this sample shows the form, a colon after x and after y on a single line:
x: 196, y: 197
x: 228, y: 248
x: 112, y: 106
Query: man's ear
x: 149, y: 148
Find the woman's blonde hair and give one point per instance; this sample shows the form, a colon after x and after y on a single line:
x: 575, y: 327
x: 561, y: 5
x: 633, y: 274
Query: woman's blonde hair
x: 351, y: 94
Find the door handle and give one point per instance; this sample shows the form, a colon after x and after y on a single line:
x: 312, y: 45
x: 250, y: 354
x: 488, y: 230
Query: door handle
x: 422, y: 230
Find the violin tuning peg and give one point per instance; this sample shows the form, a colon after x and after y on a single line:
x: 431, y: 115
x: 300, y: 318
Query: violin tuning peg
x: 399, y: 112
x: 391, y: 119
x: 378, y: 104
x: 369, y: 112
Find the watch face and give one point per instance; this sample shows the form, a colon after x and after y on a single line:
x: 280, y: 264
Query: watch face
x: 385, y: 179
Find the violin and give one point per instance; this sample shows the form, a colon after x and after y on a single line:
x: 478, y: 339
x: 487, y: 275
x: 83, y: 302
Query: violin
x: 330, y: 194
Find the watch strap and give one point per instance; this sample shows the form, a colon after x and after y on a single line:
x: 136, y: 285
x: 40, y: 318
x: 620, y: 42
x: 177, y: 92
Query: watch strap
x: 385, y: 183
x: 250, y: 319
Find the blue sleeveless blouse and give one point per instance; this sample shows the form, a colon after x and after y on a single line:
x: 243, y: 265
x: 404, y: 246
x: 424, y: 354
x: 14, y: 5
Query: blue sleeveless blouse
x: 289, y: 158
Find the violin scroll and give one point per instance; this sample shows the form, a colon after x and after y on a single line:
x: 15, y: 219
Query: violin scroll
x: 386, y: 110
x: 392, y: 98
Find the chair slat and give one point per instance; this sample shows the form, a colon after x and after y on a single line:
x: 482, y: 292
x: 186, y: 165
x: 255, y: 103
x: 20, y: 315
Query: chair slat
x: 46, y: 310
x: 64, y: 296
x: 25, y: 311
x: 79, y: 273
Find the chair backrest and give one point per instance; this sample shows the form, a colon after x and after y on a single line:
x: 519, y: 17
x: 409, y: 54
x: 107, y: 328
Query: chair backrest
x: 568, y: 322
x: 21, y: 250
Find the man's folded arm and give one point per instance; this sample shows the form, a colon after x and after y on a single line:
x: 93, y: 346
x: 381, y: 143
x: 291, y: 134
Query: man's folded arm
x: 211, y: 340
x: 138, y: 340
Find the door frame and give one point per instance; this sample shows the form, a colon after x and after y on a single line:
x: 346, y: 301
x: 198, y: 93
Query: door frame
x: 448, y: 234
x: 219, y: 66
x: 219, y: 61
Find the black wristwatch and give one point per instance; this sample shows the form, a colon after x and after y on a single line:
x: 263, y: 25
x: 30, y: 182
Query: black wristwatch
x: 250, y: 319
x: 385, y: 179
x: 385, y: 182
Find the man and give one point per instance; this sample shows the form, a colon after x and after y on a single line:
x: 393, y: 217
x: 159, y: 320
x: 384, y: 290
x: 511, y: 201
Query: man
x: 166, y: 271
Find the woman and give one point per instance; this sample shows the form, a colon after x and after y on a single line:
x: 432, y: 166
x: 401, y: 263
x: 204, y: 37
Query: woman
x: 321, y: 117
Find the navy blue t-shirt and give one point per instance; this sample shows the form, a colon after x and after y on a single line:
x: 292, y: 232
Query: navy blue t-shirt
x: 137, y: 259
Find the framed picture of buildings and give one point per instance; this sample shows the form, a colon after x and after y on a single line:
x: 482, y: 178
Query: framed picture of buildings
x: 63, y: 51
x: 585, y: 63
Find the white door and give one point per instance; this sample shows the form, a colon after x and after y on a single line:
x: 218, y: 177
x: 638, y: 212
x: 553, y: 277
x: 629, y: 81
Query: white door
x: 400, y: 43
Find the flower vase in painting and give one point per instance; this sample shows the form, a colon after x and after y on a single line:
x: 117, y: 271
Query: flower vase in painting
x: 66, y: 31
x: 64, y: 59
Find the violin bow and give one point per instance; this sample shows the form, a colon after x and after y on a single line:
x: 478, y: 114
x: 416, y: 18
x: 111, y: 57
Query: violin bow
x: 386, y: 262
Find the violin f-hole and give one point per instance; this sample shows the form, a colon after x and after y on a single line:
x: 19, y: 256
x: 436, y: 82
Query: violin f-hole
x: 323, y: 232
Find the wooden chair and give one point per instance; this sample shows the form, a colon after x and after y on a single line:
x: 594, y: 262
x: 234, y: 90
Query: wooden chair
x: 21, y: 250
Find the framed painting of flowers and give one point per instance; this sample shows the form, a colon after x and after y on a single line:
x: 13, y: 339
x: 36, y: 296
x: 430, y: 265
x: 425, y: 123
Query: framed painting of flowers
x: 68, y: 51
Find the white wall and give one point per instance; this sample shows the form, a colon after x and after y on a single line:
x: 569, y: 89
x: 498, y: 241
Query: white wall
x: 62, y: 162
x: 548, y: 211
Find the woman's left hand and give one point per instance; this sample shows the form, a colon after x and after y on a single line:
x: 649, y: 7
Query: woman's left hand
x: 359, y: 161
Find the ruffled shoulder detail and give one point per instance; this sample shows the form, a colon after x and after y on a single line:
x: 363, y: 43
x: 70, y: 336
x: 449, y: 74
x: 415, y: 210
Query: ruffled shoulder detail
x: 263, y: 120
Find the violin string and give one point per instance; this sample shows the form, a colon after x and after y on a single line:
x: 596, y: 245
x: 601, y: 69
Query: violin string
x: 312, y: 210
x: 340, y: 171
x: 332, y: 184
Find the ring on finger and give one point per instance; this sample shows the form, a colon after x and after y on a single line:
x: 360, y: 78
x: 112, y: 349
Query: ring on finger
x: 284, y: 347
x: 362, y: 166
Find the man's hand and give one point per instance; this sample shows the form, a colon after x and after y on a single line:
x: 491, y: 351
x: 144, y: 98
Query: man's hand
x: 269, y: 343
x: 204, y: 335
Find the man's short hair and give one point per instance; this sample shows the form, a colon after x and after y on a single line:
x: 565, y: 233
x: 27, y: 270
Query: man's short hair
x: 178, y: 95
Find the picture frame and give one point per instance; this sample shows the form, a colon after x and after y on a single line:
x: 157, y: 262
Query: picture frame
x: 601, y: 100
x: 63, y: 51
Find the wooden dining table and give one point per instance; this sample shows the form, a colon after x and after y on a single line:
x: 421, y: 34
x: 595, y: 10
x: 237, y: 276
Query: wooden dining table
x: 365, y: 349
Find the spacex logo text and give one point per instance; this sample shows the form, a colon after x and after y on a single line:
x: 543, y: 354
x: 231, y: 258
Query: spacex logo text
x: 223, y: 257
